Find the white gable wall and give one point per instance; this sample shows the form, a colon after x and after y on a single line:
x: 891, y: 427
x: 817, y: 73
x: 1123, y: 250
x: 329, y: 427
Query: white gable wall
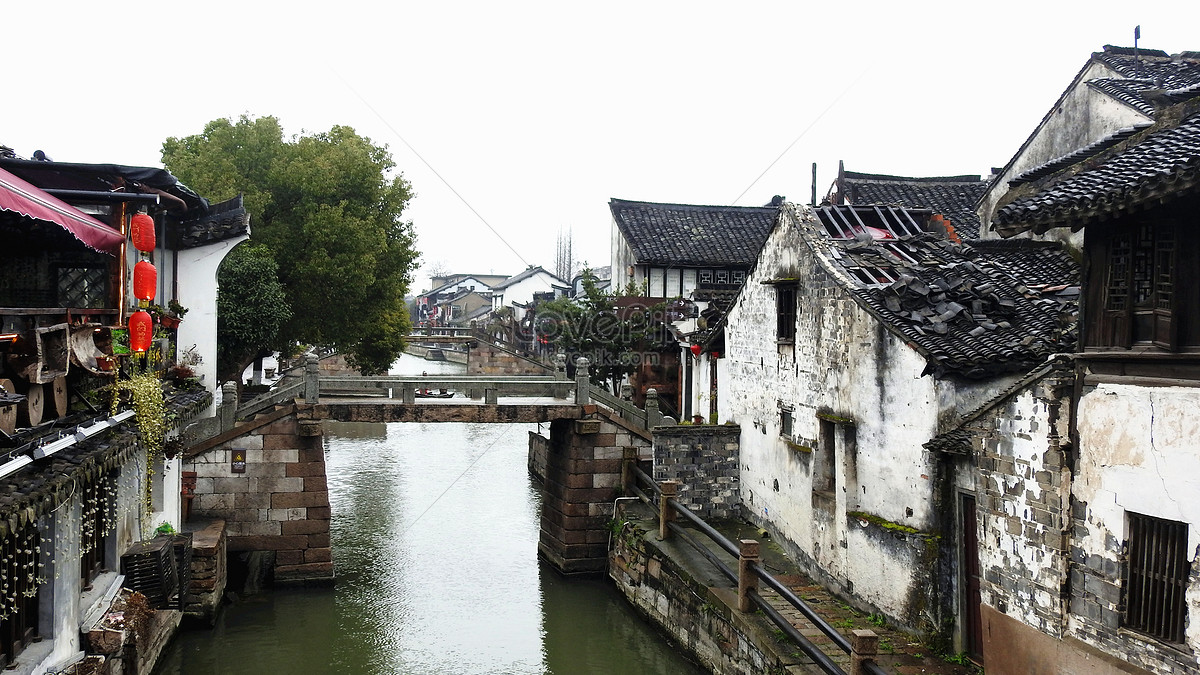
x: 1082, y: 117
x: 845, y: 367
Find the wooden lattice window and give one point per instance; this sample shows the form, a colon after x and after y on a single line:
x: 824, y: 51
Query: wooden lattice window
x: 1139, y: 291
x: 20, y: 582
x: 1156, y: 576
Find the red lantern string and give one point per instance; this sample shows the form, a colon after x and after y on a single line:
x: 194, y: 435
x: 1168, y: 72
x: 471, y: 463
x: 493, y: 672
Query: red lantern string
x: 145, y: 280
x: 141, y: 331
x: 695, y: 350
x: 141, y: 232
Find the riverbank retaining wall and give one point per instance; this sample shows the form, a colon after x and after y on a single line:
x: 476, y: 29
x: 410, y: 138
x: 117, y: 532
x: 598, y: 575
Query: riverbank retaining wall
x: 698, y: 615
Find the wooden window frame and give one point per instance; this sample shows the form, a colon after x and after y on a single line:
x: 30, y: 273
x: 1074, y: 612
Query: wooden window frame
x: 786, y: 311
x: 1155, y: 577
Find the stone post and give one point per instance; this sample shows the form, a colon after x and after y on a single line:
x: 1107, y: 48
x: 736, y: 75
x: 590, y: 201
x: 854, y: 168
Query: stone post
x: 670, y: 488
x: 653, y: 414
x: 629, y: 460
x: 583, y: 394
x: 560, y: 366
x: 747, y: 577
x: 227, y: 411
x: 864, y: 645
x: 312, y: 379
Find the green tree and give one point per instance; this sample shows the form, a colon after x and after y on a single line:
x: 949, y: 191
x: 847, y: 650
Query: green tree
x: 251, y: 307
x: 329, y: 212
x: 612, y: 331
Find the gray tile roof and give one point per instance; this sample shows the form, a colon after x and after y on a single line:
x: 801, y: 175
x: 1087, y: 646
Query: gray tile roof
x: 1134, y: 175
x: 971, y: 311
x: 952, y: 196
x: 1153, y: 68
x: 689, y: 235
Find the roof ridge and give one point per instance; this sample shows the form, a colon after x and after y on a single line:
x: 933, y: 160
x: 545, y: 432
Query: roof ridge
x: 616, y: 200
x: 963, y: 178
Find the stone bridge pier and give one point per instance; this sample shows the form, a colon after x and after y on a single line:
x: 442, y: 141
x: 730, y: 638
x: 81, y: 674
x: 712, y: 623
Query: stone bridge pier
x: 580, y: 464
x: 266, y: 480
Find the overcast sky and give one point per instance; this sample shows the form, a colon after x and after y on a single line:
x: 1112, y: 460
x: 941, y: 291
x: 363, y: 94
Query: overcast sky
x: 515, y: 119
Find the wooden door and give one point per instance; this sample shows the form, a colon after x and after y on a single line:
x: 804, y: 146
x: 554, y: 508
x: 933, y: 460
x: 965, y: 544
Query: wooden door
x: 972, y: 621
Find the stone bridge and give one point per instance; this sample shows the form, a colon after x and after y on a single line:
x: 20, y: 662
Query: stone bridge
x: 262, y: 469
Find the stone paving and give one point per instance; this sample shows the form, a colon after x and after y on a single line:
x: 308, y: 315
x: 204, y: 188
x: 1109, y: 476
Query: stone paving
x: 899, y: 652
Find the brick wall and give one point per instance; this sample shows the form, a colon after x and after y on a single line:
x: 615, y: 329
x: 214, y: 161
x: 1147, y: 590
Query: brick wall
x: 704, y: 458
x: 280, y: 503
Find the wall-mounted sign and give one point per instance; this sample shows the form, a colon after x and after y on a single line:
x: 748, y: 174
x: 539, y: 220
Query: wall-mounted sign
x: 237, y: 461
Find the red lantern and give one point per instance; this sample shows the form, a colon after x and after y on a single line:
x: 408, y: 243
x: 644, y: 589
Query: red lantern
x: 141, y: 231
x: 141, y: 330
x: 695, y: 350
x: 145, y: 280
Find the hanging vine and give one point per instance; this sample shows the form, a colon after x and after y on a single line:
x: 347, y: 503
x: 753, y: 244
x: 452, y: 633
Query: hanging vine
x: 149, y: 407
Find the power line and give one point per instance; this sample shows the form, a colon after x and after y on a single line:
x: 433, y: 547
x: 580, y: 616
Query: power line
x: 429, y: 166
x: 802, y: 133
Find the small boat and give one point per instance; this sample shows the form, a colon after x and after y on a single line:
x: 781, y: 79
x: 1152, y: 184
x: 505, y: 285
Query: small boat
x: 425, y: 393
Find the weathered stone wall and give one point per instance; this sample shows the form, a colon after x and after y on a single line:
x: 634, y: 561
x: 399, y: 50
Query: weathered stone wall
x: 487, y: 359
x: 539, y: 455
x: 280, y: 503
x: 204, y: 595
x: 1137, y: 454
x: 583, y: 478
x: 1021, y: 484
x: 705, y: 460
x: 860, y: 411
x: 697, y: 616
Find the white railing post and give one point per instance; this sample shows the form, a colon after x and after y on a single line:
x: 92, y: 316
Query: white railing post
x: 583, y: 394
x: 312, y: 379
x: 653, y: 414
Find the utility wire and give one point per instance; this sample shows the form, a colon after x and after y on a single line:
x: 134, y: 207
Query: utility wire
x: 429, y: 166
x: 502, y: 434
x: 802, y: 133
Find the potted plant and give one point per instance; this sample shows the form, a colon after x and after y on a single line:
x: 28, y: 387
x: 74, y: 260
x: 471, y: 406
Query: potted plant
x: 175, y: 314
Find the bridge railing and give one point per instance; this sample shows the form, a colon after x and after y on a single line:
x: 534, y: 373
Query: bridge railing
x: 406, y: 387
x: 862, y: 647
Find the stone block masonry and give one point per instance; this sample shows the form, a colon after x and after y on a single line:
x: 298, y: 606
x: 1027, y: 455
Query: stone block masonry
x: 704, y: 459
x: 582, y: 481
x: 208, y: 571
x: 279, y: 502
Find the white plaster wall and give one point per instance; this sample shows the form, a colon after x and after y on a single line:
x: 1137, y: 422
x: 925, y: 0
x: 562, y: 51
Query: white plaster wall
x: 846, y: 363
x: 620, y: 257
x: 198, y: 292
x: 1081, y: 118
x: 521, y: 293
x: 1140, y: 451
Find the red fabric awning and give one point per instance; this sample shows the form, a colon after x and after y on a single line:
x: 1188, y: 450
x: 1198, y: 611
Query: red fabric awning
x: 21, y: 197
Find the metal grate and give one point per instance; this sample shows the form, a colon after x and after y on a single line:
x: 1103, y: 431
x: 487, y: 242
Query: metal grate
x: 1156, y: 577
x: 82, y: 287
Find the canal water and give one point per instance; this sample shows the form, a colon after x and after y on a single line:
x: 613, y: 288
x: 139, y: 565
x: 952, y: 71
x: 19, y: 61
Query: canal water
x: 435, y: 530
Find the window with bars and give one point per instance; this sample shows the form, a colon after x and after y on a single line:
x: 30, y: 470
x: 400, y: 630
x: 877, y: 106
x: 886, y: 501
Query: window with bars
x: 785, y: 311
x: 21, y: 569
x: 1156, y: 575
